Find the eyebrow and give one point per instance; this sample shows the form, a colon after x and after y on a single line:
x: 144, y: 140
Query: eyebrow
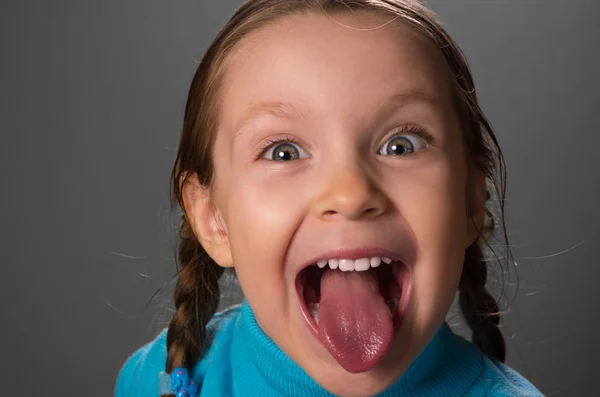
x: 398, y: 100
x: 277, y: 109
x: 291, y: 111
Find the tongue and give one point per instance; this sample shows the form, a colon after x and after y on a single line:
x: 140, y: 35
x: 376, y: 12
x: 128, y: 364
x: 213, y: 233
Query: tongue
x: 355, y: 324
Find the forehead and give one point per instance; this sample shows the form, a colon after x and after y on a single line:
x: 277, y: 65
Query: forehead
x: 335, y: 65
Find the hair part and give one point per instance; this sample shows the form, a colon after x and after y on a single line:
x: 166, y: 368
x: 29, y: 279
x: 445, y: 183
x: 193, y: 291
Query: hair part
x: 197, y: 292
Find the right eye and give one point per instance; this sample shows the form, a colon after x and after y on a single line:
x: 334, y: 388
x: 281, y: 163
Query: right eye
x: 281, y: 150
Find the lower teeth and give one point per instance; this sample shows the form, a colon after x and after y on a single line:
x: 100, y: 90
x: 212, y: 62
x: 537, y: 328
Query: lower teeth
x: 313, y: 308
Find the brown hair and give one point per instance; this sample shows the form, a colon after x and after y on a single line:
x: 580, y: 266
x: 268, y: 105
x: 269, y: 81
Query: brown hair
x: 197, y: 291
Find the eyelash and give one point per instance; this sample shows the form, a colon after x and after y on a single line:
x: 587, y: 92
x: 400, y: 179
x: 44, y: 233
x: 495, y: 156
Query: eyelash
x: 410, y: 129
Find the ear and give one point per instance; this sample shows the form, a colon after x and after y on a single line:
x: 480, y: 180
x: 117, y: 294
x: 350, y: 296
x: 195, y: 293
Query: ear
x: 202, y: 216
x: 476, y: 197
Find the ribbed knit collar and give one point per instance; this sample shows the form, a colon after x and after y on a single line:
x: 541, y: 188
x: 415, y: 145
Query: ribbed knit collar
x: 447, y: 366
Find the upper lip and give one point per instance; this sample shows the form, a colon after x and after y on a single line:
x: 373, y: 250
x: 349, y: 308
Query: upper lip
x: 354, y: 253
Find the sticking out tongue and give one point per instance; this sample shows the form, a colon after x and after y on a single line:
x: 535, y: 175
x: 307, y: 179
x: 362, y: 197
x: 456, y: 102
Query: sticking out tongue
x: 355, y: 324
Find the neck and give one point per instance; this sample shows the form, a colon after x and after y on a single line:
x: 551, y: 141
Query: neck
x: 447, y: 366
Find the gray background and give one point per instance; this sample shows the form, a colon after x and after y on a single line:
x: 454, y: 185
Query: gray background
x: 92, y: 99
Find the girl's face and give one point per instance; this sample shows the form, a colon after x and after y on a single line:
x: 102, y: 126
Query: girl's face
x: 347, y: 95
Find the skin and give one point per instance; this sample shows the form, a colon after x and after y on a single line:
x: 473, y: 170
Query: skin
x: 268, y: 217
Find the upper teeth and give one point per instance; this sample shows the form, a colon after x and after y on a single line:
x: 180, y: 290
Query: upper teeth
x: 358, y: 265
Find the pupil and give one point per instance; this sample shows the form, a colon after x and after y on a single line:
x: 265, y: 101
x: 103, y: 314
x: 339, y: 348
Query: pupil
x: 401, y: 149
x: 283, y: 154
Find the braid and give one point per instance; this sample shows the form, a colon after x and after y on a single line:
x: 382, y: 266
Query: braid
x: 196, y: 300
x: 477, y: 305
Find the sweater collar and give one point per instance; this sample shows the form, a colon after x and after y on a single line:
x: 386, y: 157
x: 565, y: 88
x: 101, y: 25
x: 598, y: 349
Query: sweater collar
x: 447, y: 367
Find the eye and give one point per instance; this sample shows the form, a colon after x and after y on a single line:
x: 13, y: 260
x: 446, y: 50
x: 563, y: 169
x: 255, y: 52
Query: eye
x: 280, y: 150
x: 285, y: 149
x: 405, y: 144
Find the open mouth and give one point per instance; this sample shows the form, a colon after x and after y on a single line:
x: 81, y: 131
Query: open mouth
x: 354, y: 314
x: 392, y: 279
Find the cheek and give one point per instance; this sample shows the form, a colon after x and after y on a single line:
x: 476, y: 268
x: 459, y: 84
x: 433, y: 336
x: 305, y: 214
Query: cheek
x: 436, y: 213
x: 432, y: 200
x: 264, y: 212
x: 261, y: 218
x: 434, y: 208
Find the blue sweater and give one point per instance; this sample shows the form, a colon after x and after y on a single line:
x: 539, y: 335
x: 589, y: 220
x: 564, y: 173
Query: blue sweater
x: 243, y: 361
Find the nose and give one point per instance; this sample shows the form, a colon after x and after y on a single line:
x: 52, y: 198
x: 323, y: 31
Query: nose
x: 348, y: 188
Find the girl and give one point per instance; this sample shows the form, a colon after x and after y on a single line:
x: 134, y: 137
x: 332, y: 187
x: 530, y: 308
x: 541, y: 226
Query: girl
x: 334, y: 155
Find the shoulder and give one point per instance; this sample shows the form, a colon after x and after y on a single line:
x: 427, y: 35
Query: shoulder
x: 499, y: 380
x: 139, y: 375
x: 221, y: 329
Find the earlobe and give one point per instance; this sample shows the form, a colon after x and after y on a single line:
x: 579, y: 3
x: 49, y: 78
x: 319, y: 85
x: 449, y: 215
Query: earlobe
x: 476, y: 198
x: 203, y: 218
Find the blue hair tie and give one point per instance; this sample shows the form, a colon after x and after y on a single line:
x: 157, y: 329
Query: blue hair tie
x: 178, y: 383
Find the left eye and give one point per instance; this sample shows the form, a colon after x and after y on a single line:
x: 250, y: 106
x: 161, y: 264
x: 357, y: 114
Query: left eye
x: 400, y: 145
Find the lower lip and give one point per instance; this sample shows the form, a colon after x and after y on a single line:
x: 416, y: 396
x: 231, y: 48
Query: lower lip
x: 402, y: 275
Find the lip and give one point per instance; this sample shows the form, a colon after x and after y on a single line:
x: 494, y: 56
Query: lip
x: 353, y: 254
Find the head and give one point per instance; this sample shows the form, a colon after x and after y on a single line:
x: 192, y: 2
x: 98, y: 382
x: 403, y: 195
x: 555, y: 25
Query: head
x: 344, y: 81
